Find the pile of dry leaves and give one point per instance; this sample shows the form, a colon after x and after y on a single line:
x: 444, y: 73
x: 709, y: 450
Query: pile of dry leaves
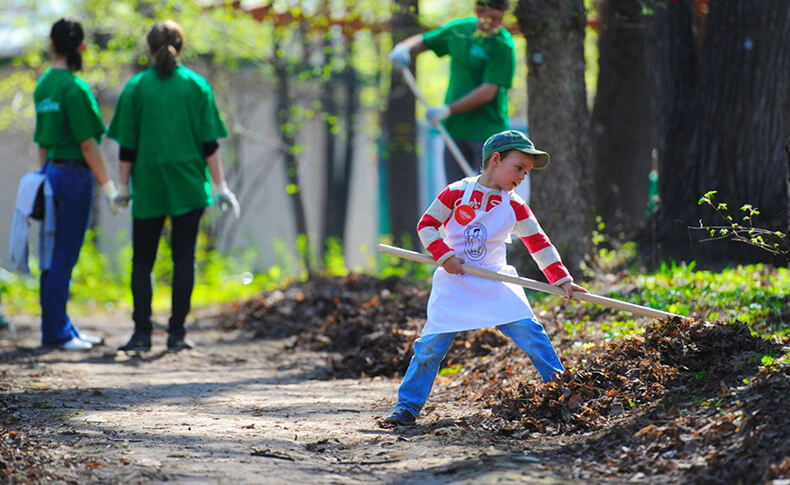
x: 628, y: 373
x: 371, y: 323
x: 687, y: 399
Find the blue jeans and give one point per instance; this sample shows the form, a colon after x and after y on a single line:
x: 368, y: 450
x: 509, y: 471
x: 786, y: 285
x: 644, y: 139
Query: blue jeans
x: 429, y: 350
x: 72, y: 186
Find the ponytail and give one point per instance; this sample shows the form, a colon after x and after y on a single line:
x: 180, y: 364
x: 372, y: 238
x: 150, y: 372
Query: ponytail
x: 67, y: 36
x: 165, y: 41
x: 165, y: 60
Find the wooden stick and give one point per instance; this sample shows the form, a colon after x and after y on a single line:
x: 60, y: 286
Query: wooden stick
x: 459, y: 157
x: 534, y: 285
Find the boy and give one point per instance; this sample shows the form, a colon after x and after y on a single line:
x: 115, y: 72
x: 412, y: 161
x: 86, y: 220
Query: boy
x: 479, y: 213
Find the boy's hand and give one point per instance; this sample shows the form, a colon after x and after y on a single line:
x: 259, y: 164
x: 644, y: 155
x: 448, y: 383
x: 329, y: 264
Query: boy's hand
x: 569, y: 287
x: 453, y: 265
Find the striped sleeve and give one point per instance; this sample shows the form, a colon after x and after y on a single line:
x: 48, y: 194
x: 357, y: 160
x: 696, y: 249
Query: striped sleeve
x: 434, y: 218
x: 538, y: 244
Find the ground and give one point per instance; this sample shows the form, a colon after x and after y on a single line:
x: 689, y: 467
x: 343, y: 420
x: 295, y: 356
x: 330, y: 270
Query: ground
x: 278, y: 390
x: 233, y: 410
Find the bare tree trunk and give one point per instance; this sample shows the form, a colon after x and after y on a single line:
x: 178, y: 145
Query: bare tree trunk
x: 338, y: 175
x: 623, y: 121
x: 330, y: 124
x: 400, y: 155
x: 726, y: 135
x: 559, y: 121
x: 350, y: 115
x: 288, y: 140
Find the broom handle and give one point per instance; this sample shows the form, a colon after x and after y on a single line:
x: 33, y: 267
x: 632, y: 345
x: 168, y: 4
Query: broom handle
x: 459, y: 157
x: 534, y: 285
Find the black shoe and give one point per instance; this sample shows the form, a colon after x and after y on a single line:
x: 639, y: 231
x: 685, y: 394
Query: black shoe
x: 400, y: 417
x: 139, y: 342
x: 174, y: 344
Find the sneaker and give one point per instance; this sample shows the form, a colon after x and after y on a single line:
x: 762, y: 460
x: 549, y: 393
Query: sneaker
x: 139, y: 342
x: 75, y: 344
x: 174, y: 344
x: 91, y: 339
x: 400, y: 417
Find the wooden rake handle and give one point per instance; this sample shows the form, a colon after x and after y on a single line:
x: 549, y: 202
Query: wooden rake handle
x: 533, y: 285
x: 459, y: 157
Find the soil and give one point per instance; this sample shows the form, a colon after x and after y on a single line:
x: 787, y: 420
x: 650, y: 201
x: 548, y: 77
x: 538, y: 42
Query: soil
x: 291, y: 387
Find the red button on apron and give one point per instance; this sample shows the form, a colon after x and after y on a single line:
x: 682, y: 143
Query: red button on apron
x: 464, y: 214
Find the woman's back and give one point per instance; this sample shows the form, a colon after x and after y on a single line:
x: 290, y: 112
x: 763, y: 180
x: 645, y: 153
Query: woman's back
x: 66, y: 113
x: 173, y: 116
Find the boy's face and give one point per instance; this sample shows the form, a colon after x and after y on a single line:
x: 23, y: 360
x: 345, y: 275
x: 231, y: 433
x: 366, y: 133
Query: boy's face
x: 508, y: 172
x: 488, y: 19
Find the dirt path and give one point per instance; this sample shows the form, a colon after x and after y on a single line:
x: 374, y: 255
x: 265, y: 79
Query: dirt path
x: 237, y: 411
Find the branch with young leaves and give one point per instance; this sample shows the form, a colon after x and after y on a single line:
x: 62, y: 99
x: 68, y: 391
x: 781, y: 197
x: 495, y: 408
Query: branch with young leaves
x: 775, y: 242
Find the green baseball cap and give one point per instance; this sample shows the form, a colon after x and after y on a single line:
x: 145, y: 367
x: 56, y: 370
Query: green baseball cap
x: 514, y: 140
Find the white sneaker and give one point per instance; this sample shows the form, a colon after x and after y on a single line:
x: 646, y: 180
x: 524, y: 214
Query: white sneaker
x: 91, y: 339
x: 76, y: 344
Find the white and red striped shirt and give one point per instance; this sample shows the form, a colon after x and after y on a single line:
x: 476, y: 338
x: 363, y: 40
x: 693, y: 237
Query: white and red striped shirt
x: 526, y: 228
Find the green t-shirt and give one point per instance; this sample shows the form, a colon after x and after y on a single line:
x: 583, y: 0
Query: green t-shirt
x: 66, y: 114
x: 167, y: 121
x: 474, y: 60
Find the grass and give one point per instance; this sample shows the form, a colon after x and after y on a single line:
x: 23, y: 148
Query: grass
x: 756, y: 295
x: 101, y: 286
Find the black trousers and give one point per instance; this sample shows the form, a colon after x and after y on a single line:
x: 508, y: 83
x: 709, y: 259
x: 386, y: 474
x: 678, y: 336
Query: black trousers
x: 145, y: 242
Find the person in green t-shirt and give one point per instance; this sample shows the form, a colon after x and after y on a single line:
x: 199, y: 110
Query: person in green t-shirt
x: 167, y: 125
x: 68, y: 128
x: 482, y: 65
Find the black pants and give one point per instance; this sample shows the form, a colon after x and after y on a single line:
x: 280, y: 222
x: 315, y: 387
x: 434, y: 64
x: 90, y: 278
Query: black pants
x: 472, y: 151
x: 145, y: 241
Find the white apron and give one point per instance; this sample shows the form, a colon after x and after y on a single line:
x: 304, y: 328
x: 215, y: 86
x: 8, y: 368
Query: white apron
x: 468, y: 302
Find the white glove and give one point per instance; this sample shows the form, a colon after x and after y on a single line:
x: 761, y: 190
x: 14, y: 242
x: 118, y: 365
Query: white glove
x: 400, y: 57
x: 110, y: 193
x: 435, y: 115
x: 227, y: 200
x: 122, y: 199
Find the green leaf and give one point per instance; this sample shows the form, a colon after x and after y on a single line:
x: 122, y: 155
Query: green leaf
x: 447, y: 371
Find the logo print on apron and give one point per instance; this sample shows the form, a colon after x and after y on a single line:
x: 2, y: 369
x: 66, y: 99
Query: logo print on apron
x: 476, y: 237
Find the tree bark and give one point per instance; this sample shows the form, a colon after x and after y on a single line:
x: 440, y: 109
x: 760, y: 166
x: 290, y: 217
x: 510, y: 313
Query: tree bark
x: 623, y: 122
x: 400, y: 154
x: 559, y: 121
x: 350, y: 115
x: 725, y: 128
x: 329, y: 107
x: 288, y: 140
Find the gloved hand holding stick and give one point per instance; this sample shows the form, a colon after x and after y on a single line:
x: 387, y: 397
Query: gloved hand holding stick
x: 459, y: 157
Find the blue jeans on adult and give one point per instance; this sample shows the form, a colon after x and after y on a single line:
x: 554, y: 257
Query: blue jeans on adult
x: 72, y: 185
x: 429, y: 350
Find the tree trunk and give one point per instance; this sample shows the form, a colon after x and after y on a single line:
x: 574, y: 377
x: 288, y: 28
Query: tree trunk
x: 558, y: 121
x: 726, y: 134
x: 350, y: 115
x: 288, y: 140
x: 623, y: 124
x: 338, y: 175
x: 330, y: 156
x: 400, y: 154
